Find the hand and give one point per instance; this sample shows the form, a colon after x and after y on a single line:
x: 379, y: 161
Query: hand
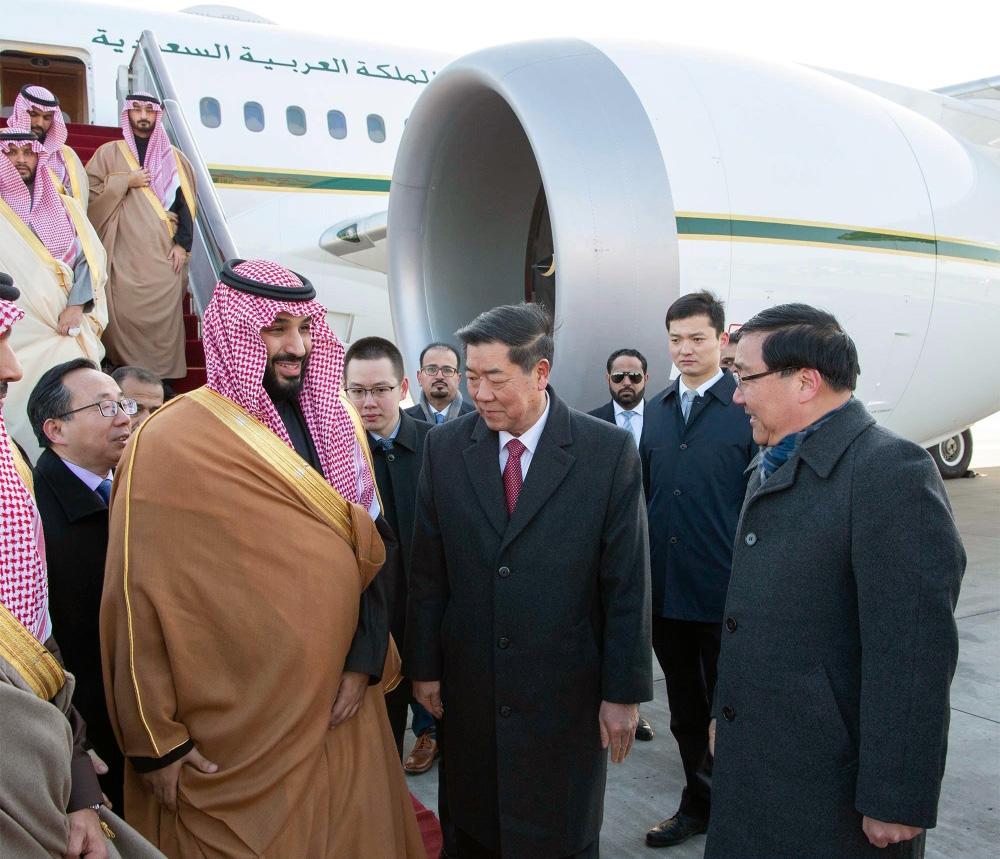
x: 100, y: 767
x: 163, y: 782
x: 177, y: 256
x: 86, y: 838
x: 70, y: 318
x: 618, y: 722
x: 139, y: 178
x: 172, y: 217
x: 711, y: 738
x: 353, y: 686
x: 428, y: 694
x: 882, y: 834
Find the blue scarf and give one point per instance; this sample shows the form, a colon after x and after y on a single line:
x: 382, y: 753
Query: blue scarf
x: 774, y: 457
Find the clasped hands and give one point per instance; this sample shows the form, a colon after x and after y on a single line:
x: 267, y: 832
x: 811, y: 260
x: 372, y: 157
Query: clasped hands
x: 617, y: 721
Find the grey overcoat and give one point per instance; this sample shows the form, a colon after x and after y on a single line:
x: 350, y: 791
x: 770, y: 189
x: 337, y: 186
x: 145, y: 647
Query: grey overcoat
x: 530, y: 622
x: 839, y: 646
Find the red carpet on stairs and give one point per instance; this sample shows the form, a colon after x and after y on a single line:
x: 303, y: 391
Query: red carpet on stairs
x: 430, y: 829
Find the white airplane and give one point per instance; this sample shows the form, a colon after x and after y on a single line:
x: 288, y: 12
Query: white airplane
x: 626, y: 173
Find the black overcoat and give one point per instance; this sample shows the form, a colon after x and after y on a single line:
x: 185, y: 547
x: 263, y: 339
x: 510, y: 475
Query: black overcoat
x: 75, y: 522
x: 530, y: 622
x: 838, y: 649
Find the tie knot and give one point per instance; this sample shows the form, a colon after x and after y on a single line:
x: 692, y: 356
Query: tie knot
x: 515, y: 448
x: 104, y: 490
x: 438, y: 418
x: 629, y: 413
x: 384, y: 443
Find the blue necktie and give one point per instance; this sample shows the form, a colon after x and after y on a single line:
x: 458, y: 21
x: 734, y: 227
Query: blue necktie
x: 104, y: 490
x: 385, y: 444
x: 439, y: 418
x: 686, y: 402
x: 628, y: 414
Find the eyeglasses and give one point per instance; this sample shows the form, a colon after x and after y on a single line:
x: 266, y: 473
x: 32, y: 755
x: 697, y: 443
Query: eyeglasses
x: 633, y: 376
x: 434, y: 369
x: 379, y: 392
x: 741, y: 380
x: 109, y: 408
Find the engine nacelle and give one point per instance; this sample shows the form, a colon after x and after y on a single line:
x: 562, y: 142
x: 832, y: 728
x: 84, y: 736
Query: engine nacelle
x: 648, y: 171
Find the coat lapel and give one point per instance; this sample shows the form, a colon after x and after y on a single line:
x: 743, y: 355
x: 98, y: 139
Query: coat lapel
x: 482, y: 461
x: 550, y: 464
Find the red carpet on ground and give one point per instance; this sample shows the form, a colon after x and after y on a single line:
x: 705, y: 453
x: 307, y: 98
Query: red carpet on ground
x: 430, y: 829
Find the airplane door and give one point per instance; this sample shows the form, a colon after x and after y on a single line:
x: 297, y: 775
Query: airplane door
x: 65, y: 76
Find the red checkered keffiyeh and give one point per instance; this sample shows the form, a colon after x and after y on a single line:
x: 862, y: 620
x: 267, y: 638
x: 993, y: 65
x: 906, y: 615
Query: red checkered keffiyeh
x: 43, y: 211
x: 236, y: 358
x: 55, y: 138
x: 160, y: 162
x: 24, y: 587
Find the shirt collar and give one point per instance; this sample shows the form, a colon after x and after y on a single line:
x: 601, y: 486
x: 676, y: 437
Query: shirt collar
x: 701, y: 389
x: 637, y: 408
x: 393, y: 434
x: 529, y: 438
x: 91, y: 480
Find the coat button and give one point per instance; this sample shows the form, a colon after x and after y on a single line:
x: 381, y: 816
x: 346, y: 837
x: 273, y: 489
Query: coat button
x: 750, y: 538
x: 503, y: 572
x: 505, y: 711
x: 677, y: 492
x: 390, y: 457
x: 684, y: 447
x: 503, y: 643
x: 673, y: 539
x: 731, y: 624
x: 728, y: 713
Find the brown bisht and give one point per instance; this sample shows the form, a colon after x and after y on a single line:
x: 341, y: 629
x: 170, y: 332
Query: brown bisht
x: 231, y: 597
x: 145, y: 297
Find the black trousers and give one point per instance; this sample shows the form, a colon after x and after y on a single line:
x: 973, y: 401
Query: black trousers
x: 397, y: 703
x: 469, y: 848
x: 688, y: 653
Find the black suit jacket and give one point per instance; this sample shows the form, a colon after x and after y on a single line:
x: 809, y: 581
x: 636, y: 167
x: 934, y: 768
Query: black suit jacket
x: 396, y: 473
x: 695, y: 482
x: 75, y: 521
x: 417, y: 412
x: 529, y: 622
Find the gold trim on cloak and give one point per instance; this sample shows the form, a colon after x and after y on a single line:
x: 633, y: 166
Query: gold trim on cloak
x: 76, y: 170
x: 30, y: 658
x: 151, y: 197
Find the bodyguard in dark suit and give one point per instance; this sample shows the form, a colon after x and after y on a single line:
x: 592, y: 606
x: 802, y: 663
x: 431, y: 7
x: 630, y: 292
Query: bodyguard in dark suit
x: 438, y: 377
x: 529, y: 599
x: 78, y: 417
x: 695, y: 450
x: 840, y: 644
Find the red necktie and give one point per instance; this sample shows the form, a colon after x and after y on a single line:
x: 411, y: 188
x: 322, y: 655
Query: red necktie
x: 512, y: 473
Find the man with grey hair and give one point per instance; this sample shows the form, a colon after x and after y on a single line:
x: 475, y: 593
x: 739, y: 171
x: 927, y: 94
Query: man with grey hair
x: 528, y: 618
x: 839, y: 639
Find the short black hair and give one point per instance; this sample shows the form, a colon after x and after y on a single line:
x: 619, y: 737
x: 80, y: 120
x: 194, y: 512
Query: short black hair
x: 50, y: 398
x: 734, y: 336
x: 140, y: 374
x: 374, y: 348
x: 702, y: 303
x: 439, y: 345
x: 526, y: 329
x: 632, y: 353
x: 800, y: 336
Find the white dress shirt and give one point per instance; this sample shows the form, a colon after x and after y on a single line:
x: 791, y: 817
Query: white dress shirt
x: 638, y: 409
x: 529, y: 438
x: 90, y: 480
x: 700, y: 391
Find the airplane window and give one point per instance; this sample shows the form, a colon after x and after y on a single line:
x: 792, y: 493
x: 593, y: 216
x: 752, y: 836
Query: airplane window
x: 376, y: 128
x: 253, y: 116
x: 336, y: 122
x: 295, y: 117
x: 211, y: 113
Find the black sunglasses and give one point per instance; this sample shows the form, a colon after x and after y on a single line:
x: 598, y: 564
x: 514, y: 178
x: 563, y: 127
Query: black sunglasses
x: 633, y: 376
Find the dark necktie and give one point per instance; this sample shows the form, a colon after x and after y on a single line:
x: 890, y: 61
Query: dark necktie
x: 384, y: 444
x: 512, y: 478
x: 104, y: 490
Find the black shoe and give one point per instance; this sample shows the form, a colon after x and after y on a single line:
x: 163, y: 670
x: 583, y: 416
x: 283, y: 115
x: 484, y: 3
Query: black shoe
x: 675, y: 830
x: 644, y: 731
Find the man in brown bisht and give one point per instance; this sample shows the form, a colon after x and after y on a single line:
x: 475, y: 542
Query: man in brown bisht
x: 142, y: 203
x: 243, y: 634
x: 50, y: 801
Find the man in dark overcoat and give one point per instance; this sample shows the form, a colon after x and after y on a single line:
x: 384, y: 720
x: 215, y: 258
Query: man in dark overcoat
x: 832, y: 703
x: 529, y: 599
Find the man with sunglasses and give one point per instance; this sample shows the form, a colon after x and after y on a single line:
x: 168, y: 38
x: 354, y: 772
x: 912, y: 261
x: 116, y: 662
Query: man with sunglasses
x: 438, y: 377
x: 82, y: 423
x: 695, y: 450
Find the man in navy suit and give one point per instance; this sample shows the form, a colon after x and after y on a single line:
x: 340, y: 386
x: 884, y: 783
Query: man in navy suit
x: 627, y: 377
x: 696, y: 446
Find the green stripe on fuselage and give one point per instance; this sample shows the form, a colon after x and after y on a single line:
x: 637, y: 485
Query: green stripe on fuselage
x: 298, y: 181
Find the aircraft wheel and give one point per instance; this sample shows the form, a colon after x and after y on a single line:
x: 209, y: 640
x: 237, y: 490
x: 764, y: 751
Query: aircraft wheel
x: 953, y: 455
